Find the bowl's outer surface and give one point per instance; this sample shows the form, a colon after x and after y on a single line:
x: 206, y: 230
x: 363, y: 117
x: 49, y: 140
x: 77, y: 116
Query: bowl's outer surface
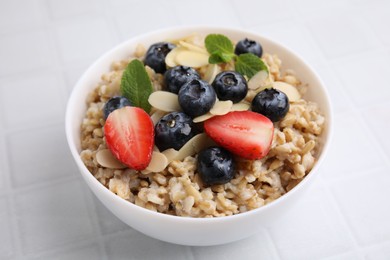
x: 181, y: 230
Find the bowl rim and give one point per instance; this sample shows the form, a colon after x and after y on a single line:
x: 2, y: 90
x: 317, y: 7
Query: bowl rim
x: 194, y: 28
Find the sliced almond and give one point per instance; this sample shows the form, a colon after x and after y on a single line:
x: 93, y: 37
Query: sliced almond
x: 164, y: 101
x: 259, y: 80
x: 194, y: 145
x: 106, y: 159
x: 158, y: 163
x: 211, y: 72
x: 156, y: 116
x: 171, y: 154
x: 170, y: 59
x: 191, y: 58
x: 221, y: 107
x: 192, y: 47
x: 291, y: 92
x: 240, y: 107
x: 202, y: 118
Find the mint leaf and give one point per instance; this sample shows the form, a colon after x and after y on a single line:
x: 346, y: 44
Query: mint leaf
x: 249, y: 64
x: 220, y: 47
x: 136, y: 85
x: 220, y: 57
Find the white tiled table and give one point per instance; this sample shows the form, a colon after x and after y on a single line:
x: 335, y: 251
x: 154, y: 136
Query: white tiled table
x: 46, y: 210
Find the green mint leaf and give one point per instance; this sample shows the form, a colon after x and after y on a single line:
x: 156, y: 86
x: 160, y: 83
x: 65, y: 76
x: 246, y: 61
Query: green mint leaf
x: 219, y: 45
x: 249, y: 64
x: 220, y: 57
x: 136, y: 85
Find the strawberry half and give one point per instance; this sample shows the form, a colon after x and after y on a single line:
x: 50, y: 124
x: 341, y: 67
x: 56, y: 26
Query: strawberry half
x: 129, y: 133
x: 244, y: 133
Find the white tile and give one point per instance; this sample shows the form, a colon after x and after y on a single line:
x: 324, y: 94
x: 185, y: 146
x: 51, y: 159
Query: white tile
x: 21, y: 14
x: 378, y: 118
x: 293, y: 35
x: 378, y: 252
x: 137, y: 20
x: 6, y: 236
x: 122, y: 3
x: 378, y: 16
x: 309, y: 7
x: 365, y: 77
x: 339, y: 96
x: 89, y: 251
x: 352, y: 150
x: 85, y: 37
x: 52, y: 216
x: 313, y: 229
x: 339, y: 33
x: 204, y: 11
x: 108, y: 222
x: 73, y: 73
x: 32, y: 100
x: 63, y: 9
x: 3, y: 162
x: 254, y: 247
x: 364, y: 203
x: 253, y: 13
x: 134, y: 245
x: 25, y: 51
x: 38, y: 155
x: 346, y: 256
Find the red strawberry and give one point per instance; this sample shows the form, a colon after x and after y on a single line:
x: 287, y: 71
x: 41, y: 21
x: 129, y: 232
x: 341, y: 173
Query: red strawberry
x: 244, y: 133
x: 129, y: 133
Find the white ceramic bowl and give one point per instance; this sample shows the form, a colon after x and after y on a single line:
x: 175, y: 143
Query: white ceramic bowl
x: 184, y: 230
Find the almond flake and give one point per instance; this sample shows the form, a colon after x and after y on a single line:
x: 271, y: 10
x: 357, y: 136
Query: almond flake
x: 158, y: 163
x: 171, y: 154
x: 170, y: 59
x: 291, y: 92
x: 202, y: 118
x: 221, y: 108
x: 211, y: 72
x: 259, y: 80
x: 191, y: 58
x: 192, y: 47
x: 164, y: 101
x: 106, y: 159
x: 194, y: 145
x: 240, y: 107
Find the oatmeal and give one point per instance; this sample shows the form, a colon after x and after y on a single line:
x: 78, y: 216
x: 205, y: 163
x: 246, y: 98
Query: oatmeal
x: 176, y: 178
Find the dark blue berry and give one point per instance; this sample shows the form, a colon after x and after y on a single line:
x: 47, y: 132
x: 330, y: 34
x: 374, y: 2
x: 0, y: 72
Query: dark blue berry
x: 230, y: 85
x: 196, y: 97
x: 271, y: 103
x: 248, y: 46
x: 155, y: 56
x: 113, y: 104
x: 176, y: 77
x: 173, y: 131
x: 215, y: 166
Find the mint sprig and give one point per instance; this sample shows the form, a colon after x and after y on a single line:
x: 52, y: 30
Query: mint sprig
x: 221, y: 50
x: 136, y: 85
x: 249, y: 64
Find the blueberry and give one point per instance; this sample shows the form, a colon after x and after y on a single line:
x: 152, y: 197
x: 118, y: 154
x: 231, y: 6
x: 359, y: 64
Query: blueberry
x: 230, y: 85
x: 113, y: 104
x: 176, y: 77
x: 248, y: 46
x: 215, y: 166
x: 196, y: 97
x: 155, y: 56
x: 272, y: 103
x: 173, y: 131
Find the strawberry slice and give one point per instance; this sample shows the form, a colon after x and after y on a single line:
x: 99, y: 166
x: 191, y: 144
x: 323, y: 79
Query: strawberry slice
x: 129, y: 133
x: 244, y: 133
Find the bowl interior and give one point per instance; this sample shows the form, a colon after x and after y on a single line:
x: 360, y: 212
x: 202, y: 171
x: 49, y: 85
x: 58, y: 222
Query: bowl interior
x: 77, y: 103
